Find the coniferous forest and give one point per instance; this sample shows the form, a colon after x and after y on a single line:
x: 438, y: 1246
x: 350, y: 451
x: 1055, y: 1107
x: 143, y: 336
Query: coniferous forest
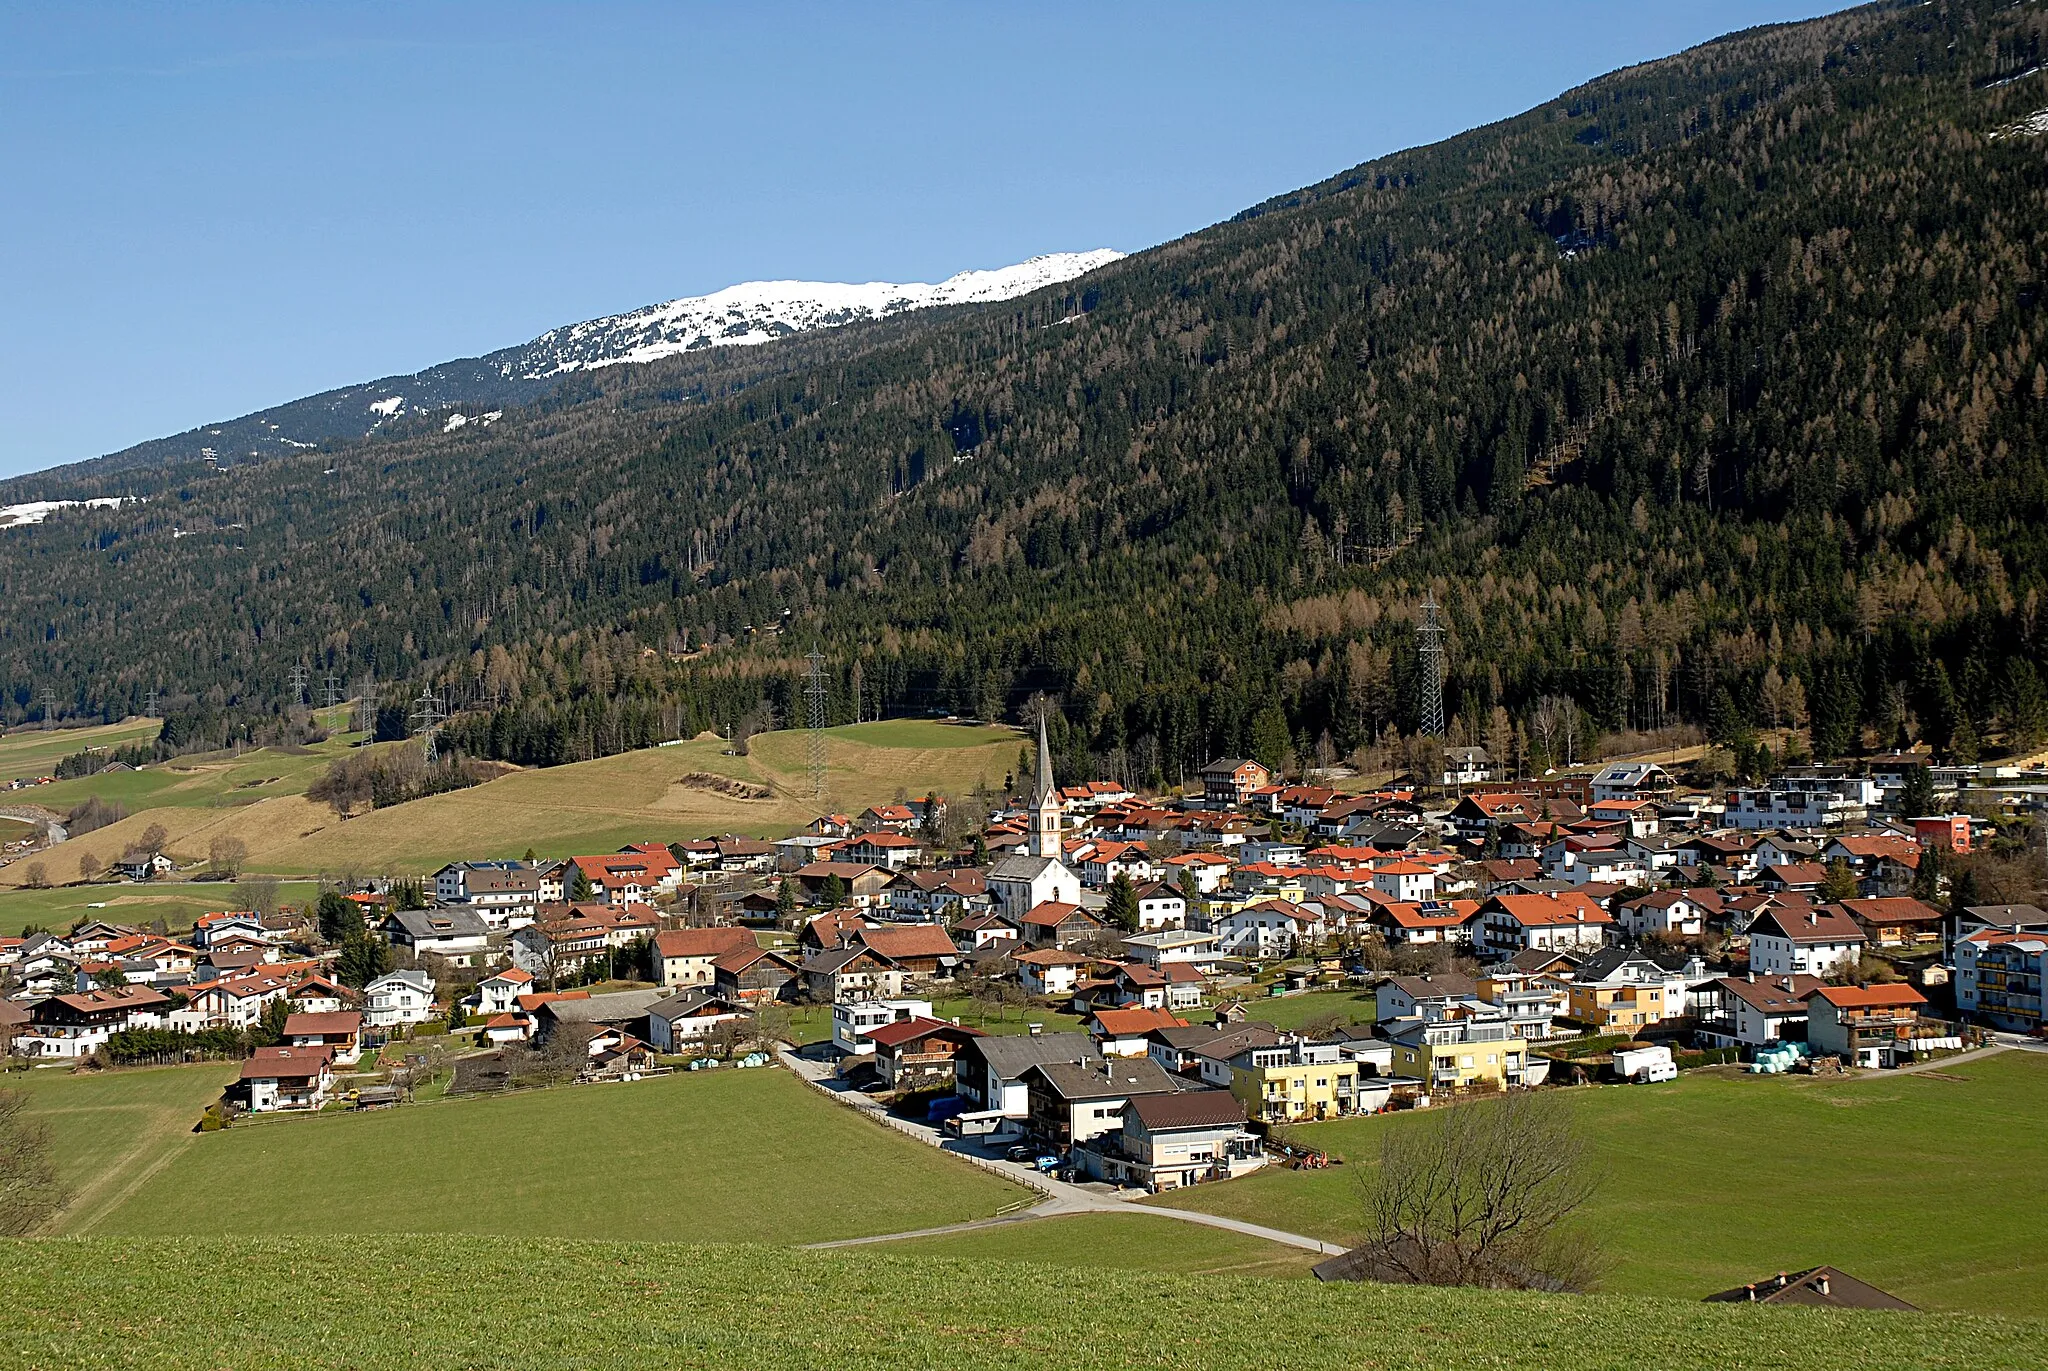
x: 1713, y: 391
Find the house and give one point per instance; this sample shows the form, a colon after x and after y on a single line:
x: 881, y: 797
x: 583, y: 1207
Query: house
x: 1401, y: 923
x: 1815, y: 798
x: 689, y: 1017
x: 1409, y: 882
x: 1108, y: 860
x: 1478, y: 817
x: 1590, y: 858
x: 620, y: 1009
x: 1547, y: 923
x: 832, y: 929
x: 1803, y: 942
x: 144, y: 866
x: 745, y: 854
x: 1632, y: 818
x: 1058, y: 923
x: 1823, y: 1287
x: 862, y: 883
x: 399, y: 999
x: 341, y: 1033
x: 2000, y: 976
x: 1793, y: 878
x: 277, y: 1078
x: 1172, y: 947
x: 888, y: 851
x: 1894, y: 920
x: 980, y: 930
x: 689, y: 956
x: 1270, y: 928
x: 1618, y: 991
x: 989, y: 1072
x: 1662, y: 913
x: 1943, y: 830
x: 1871, y: 1025
x: 1071, y: 1102
x: 1171, y: 1141
x: 454, y: 934
x: 853, y: 1020
x: 1433, y: 995
x: 1459, y: 1054
x: 1468, y: 766
x: 1211, y: 870
x: 919, y: 1053
x: 889, y: 818
x: 496, y: 993
x: 1632, y: 781
x: 501, y: 893
x: 846, y: 974
x: 1295, y: 1081
x: 1122, y: 1032
x: 79, y: 1024
x: 1755, y: 1011
x: 754, y: 974
x: 569, y: 938
x: 922, y: 952
x: 1228, y: 782
x: 1049, y: 972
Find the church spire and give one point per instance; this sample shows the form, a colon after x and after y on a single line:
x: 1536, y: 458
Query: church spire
x: 1045, y: 803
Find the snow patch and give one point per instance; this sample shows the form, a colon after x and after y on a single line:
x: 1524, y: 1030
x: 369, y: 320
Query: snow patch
x: 458, y: 420
x: 388, y: 406
x: 35, y: 511
x: 2034, y: 125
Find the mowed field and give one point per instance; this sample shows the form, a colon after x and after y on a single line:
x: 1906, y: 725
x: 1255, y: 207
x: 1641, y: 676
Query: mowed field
x: 654, y: 794
x: 175, y: 903
x: 731, y: 1156
x: 1117, y: 1242
x: 194, y: 1303
x: 31, y: 751
x: 1930, y: 1185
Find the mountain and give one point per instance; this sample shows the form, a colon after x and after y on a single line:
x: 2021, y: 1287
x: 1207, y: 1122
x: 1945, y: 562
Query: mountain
x: 738, y: 316
x: 1713, y: 391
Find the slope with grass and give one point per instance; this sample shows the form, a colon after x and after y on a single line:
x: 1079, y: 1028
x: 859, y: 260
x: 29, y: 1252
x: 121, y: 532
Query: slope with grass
x: 36, y: 752
x: 1926, y: 1184
x: 662, y: 793
x: 735, y: 1156
x: 414, y: 1304
x: 1116, y: 1242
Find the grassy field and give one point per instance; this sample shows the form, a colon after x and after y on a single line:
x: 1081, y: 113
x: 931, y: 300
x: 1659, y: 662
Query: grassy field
x: 33, y: 751
x: 1915, y: 1183
x: 728, y: 1156
x: 259, y: 797
x: 176, y: 903
x: 1293, y: 1011
x: 1117, y: 1242
x: 191, y: 1303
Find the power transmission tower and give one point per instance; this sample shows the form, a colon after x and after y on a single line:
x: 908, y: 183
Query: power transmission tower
x: 366, y: 706
x: 427, y: 717
x: 814, y: 700
x: 49, y: 708
x: 1429, y: 651
x: 330, y: 691
x: 298, y: 679
x: 152, y: 704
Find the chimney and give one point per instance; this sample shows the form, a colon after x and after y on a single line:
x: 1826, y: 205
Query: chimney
x: 1822, y: 1285
x: 1752, y: 1292
x: 1036, y: 1029
x: 1782, y: 1276
x: 1752, y: 978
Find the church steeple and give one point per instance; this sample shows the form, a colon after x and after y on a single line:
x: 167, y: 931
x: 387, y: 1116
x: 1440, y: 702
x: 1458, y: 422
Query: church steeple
x: 1045, y: 803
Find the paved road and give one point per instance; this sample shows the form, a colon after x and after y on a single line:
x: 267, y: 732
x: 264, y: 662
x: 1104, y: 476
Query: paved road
x: 1991, y: 1049
x: 1060, y: 1197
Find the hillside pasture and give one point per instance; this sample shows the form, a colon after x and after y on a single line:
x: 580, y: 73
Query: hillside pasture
x: 1913, y: 1182
x: 195, y: 1303
x: 32, y: 751
x: 175, y: 903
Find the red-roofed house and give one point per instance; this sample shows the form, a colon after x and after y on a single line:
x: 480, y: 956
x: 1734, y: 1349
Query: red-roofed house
x: 340, y: 1033
x: 1565, y: 922
x: 285, y: 1078
x: 689, y: 956
x: 1058, y: 924
x: 1871, y: 1025
x: 1803, y: 942
x: 1122, y: 1032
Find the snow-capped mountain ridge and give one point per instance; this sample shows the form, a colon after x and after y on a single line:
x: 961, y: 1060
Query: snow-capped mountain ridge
x: 745, y: 315
x: 762, y: 311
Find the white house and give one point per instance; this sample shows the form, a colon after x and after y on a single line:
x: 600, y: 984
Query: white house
x: 1804, y: 801
x: 1161, y: 906
x: 1408, y: 882
x: 1803, y: 942
x: 1755, y: 1011
x: 288, y: 1078
x: 399, y: 999
x: 1662, y: 912
x: 456, y: 934
x: 1170, y: 946
x: 1048, y: 971
x: 688, y: 1017
x: 1567, y: 922
x: 497, y: 993
x: 1270, y: 928
x: 853, y: 1021
x: 1631, y: 781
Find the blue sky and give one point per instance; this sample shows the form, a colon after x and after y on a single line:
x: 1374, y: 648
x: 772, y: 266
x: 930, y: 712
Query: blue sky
x: 213, y: 208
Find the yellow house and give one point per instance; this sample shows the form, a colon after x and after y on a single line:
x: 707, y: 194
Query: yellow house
x: 1629, y: 990
x: 1459, y: 1054
x: 1294, y: 1082
x: 1624, y: 1006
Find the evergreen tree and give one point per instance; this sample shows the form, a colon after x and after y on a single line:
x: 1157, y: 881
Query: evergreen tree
x: 1122, y: 909
x: 1840, y: 884
x: 363, y: 959
x: 336, y: 917
x: 785, y: 900
x: 835, y: 891
x: 581, y: 891
x: 1916, y: 797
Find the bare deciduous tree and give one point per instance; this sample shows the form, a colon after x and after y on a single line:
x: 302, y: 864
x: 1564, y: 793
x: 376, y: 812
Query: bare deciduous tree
x: 29, y: 1189
x: 1481, y: 1195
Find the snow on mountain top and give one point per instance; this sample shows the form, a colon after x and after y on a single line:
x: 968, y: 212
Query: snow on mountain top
x: 35, y: 511
x: 761, y: 311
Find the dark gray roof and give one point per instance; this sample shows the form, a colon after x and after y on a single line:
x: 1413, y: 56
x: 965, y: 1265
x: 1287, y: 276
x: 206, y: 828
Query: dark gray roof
x: 439, y: 923
x: 1112, y: 1078
x: 620, y: 1006
x: 1011, y: 1056
x: 686, y: 1002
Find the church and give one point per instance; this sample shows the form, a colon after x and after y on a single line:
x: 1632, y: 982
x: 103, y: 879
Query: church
x: 1023, y: 882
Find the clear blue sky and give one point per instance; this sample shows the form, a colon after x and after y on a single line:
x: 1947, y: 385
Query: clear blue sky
x: 210, y: 208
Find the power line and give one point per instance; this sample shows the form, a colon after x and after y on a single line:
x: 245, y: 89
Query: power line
x: 814, y: 699
x: 330, y: 690
x: 1429, y: 651
x: 49, y: 708
x: 151, y: 704
x: 298, y: 680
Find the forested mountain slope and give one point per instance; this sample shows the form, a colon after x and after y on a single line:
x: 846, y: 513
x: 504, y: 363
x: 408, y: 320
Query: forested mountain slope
x: 1715, y: 383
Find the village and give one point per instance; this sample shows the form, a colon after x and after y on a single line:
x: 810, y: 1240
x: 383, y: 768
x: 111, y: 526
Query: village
x: 1106, y: 987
